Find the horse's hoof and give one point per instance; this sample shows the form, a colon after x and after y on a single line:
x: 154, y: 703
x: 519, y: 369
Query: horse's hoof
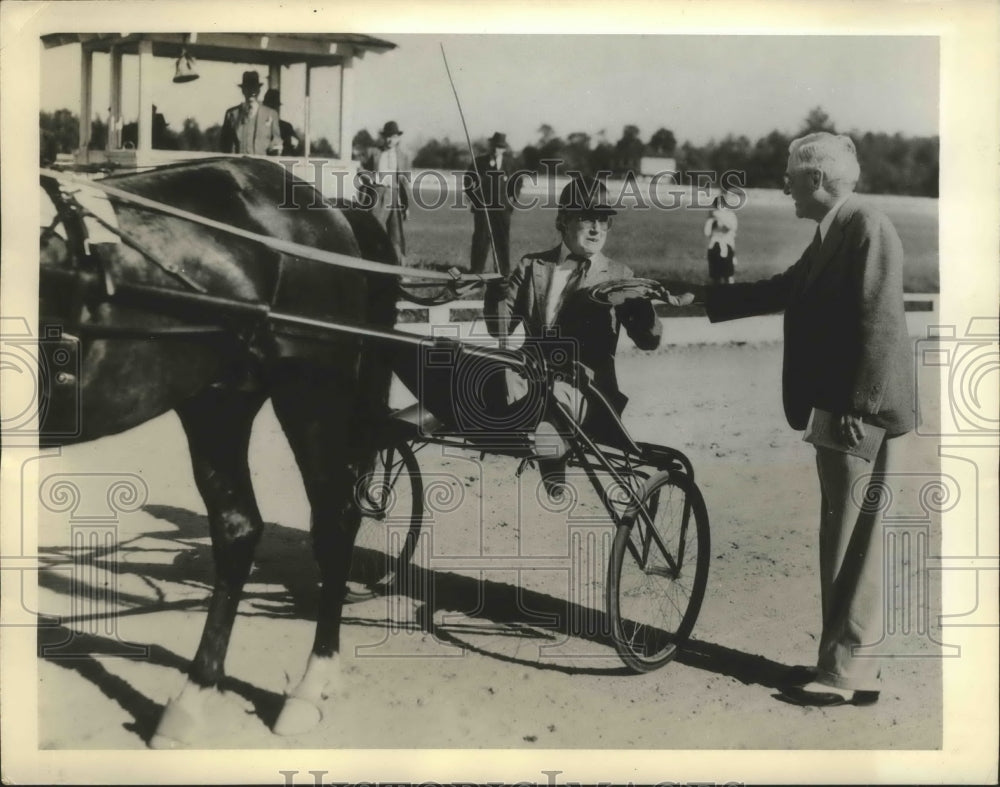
x: 162, y: 742
x: 178, y: 728
x: 297, y: 716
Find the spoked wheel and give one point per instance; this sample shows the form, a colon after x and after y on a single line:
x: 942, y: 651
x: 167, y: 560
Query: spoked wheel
x: 658, y: 571
x: 391, y: 499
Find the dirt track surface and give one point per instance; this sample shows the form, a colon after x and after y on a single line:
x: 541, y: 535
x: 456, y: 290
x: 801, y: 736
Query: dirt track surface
x: 476, y: 664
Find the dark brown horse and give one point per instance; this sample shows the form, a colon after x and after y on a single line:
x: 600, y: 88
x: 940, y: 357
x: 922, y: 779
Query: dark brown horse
x: 152, y: 339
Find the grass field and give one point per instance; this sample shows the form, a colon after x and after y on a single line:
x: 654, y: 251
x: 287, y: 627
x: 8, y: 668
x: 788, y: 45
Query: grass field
x: 668, y: 244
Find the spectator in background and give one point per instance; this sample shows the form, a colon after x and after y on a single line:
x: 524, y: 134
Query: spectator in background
x: 492, y: 187
x: 250, y: 127
x: 161, y: 138
x: 720, y: 229
x: 290, y: 145
x: 392, y: 176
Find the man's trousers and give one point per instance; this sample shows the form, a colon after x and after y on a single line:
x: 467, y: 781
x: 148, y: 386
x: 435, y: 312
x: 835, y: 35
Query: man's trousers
x: 851, y: 565
x: 481, y: 260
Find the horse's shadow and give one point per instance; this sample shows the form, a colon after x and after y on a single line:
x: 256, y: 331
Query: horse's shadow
x: 283, y: 585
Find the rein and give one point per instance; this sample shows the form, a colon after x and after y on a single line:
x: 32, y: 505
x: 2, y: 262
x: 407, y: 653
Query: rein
x: 287, y: 247
x: 226, y: 316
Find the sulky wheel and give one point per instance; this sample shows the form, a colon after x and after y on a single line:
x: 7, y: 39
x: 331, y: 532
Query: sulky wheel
x: 391, y: 501
x: 658, y: 571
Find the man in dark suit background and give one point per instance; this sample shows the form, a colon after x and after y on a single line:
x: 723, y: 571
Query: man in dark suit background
x: 290, y: 145
x: 847, y: 352
x: 251, y: 127
x: 492, y: 187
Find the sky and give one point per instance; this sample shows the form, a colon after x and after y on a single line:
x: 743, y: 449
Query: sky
x: 700, y: 87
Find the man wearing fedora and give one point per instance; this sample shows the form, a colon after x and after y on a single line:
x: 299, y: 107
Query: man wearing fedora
x: 251, y: 127
x: 546, y: 292
x: 392, y: 179
x: 492, y: 188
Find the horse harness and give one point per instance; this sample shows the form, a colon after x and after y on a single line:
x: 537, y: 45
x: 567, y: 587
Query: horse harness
x: 94, y: 237
x: 85, y: 219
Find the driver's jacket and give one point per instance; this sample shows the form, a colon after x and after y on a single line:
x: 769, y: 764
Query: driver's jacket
x: 588, y: 330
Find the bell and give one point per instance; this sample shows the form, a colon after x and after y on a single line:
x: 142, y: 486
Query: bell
x: 185, y: 69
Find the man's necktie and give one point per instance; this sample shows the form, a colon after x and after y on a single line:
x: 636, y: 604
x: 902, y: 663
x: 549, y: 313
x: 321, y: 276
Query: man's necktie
x: 576, y: 276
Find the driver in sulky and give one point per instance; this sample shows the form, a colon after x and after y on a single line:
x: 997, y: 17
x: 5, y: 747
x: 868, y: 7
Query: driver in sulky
x: 551, y: 293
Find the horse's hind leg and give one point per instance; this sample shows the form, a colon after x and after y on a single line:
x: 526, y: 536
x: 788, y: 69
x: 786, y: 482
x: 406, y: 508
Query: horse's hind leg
x: 318, y: 412
x: 218, y: 424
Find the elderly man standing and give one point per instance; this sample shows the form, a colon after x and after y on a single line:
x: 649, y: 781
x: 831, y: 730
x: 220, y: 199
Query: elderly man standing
x: 251, y: 127
x: 847, y: 353
x: 492, y: 187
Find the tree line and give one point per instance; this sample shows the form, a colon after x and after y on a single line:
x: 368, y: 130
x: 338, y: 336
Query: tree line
x: 890, y: 163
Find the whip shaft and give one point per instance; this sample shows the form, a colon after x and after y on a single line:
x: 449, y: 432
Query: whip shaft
x: 472, y: 154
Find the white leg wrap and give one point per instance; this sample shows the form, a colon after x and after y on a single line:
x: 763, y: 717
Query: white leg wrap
x: 301, y: 711
x: 183, y: 718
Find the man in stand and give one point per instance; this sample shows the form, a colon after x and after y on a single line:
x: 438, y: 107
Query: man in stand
x: 251, y: 127
x: 847, y: 354
x: 492, y: 189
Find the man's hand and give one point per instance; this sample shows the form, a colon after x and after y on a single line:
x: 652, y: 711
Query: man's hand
x: 685, y: 299
x: 641, y: 292
x: 852, y: 429
x: 620, y: 297
x: 617, y: 293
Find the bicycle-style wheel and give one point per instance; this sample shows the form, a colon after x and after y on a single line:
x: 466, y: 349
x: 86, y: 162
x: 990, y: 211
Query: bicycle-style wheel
x: 658, y: 571
x: 391, y: 500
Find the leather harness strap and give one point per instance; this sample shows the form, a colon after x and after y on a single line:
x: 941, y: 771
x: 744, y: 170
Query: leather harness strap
x: 285, y: 246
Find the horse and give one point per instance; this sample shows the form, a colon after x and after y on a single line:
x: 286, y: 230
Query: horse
x: 215, y: 364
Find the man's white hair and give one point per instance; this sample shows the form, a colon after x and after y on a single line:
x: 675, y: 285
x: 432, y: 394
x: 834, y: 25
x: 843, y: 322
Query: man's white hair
x: 832, y: 154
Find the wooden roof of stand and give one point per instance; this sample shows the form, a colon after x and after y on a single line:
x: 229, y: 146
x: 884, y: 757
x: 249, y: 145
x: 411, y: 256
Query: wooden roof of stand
x: 313, y: 49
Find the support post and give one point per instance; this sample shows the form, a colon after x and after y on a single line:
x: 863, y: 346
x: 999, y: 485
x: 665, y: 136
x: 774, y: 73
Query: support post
x: 274, y: 76
x: 346, y: 107
x: 307, y: 131
x: 86, y: 101
x: 115, y: 122
x: 145, y: 96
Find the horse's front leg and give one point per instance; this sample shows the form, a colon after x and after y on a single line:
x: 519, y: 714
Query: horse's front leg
x: 218, y: 425
x: 318, y: 413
